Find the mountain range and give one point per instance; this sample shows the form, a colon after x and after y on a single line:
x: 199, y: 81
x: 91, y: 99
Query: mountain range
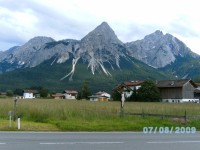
x: 99, y: 58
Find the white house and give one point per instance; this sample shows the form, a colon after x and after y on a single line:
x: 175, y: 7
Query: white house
x: 70, y: 94
x: 29, y: 94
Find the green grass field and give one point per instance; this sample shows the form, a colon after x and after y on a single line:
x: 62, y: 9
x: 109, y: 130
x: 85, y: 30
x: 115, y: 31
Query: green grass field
x: 72, y: 115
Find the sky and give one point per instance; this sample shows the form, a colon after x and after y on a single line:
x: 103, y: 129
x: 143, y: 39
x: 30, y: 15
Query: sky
x: 21, y: 20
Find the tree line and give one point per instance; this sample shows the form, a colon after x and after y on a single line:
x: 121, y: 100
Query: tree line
x: 148, y: 92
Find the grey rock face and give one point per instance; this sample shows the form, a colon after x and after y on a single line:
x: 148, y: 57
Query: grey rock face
x: 101, y: 46
x: 22, y: 55
x: 158, y: 50
x: 61, y: 52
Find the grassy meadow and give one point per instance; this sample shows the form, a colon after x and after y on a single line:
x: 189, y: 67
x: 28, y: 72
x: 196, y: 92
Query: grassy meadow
x: 73, y: 115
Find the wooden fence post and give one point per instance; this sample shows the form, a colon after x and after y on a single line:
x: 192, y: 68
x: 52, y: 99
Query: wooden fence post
x: 185, y: 117
x: 15, y: 109
x: 142, y: 113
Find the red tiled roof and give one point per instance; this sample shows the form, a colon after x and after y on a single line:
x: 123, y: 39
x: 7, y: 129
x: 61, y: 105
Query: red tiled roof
x: 58, y: 95
x: 71, y: 92
x: 128, y: 84
x: 99, y: 93
x: 133, y: 83
x: 30, y: 91
x: 173, y: 83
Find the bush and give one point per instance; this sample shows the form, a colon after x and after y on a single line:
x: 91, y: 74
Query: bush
x: 148, y: 92
x: 9, y: 93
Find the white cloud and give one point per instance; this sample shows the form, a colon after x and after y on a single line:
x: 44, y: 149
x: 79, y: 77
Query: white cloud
x: 130, y: 19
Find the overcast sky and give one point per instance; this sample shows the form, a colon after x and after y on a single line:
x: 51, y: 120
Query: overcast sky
x: 21, y: 20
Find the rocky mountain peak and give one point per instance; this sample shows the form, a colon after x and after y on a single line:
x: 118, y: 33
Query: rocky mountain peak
x: 159, y: 50
x: 158, y: 33
x: 38, y: 40
x: 155, y: 36
x: 22, y: 55
x: 104, y: 26
x: 101, y: 46
x: 100, y: 35
x: 32, y: 45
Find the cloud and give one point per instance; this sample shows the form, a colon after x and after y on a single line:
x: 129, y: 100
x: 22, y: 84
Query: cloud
x: 130, y: 19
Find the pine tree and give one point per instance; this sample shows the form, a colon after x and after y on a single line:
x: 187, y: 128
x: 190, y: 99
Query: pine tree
x: 85, y: 90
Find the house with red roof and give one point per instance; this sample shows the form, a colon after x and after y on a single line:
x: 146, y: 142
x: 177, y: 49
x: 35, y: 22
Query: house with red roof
x: 128, y: 87
x: 70, y: 94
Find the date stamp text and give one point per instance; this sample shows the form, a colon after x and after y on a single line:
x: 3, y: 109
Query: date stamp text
x: 169, y: 130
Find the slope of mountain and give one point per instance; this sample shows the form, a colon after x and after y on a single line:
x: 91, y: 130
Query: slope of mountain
x: 184, y: 67
x: 49, y: 76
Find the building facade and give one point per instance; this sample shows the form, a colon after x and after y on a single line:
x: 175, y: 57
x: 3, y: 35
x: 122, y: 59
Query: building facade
x: 177, y: 90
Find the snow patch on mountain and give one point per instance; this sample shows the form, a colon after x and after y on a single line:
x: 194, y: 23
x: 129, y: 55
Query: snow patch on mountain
x: 74, y: 62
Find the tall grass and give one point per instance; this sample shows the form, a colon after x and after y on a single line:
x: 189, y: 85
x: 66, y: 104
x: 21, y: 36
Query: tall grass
x: 164, y: 108
x: 86, y: 115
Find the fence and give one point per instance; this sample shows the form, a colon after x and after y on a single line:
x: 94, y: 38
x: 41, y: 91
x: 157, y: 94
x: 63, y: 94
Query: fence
x: 185, y: 116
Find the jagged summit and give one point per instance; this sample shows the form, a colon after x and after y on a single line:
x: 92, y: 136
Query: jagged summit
x: 101, y: 34
x: 158, y: 49
x: 158, y: 32
x: 103, y: 26
x: 155, y: 35
x: 40, y: 39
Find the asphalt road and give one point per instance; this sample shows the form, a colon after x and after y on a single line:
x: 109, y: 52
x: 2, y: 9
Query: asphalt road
x: 97, y: 141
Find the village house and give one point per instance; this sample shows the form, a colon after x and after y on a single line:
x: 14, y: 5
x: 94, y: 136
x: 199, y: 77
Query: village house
x: 100, y: 96
x: 58, y: 96
x: 128, y: 87
x: 3, y: 93
x: 70, y: 94
x: 177, y: 91
x: 29, y: 94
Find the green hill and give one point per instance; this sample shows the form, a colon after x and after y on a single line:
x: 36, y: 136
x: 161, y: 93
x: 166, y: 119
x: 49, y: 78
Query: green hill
x: 49, y: 76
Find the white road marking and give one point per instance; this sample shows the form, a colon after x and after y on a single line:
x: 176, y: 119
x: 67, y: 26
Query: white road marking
x: 62, y: 143
x: 2, y: 143
x: 172, y: 142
